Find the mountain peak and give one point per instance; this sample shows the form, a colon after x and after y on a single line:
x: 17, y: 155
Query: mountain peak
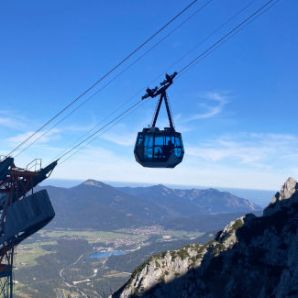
x: 161, y: 187
x: 284, y: 198
x: 288, y: 189
x: 95, y: 183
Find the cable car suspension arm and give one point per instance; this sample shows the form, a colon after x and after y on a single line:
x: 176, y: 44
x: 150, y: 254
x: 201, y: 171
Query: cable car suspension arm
x: 161, y: 92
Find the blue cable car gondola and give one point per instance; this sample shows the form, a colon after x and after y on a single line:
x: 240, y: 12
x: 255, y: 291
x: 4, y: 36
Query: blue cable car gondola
x: 157, y: 148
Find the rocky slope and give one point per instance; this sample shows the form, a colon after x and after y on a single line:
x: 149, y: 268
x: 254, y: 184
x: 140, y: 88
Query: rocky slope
x: 252, y: 257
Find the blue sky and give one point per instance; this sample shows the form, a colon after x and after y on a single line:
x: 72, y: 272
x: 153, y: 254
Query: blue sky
x: 236, y: 108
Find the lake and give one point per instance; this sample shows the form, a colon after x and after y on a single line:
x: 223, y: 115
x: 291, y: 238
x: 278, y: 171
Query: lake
x: 106, y: 254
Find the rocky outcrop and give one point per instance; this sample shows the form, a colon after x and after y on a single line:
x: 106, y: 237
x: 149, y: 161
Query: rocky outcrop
x: 252, y: 257
x: 163, y: 268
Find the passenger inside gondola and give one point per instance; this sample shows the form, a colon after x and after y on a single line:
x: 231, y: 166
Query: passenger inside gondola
x: 168, y: 149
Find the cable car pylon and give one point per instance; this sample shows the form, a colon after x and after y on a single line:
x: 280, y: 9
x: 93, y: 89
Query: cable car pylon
x: 159, y: 148
x: 22, y: 211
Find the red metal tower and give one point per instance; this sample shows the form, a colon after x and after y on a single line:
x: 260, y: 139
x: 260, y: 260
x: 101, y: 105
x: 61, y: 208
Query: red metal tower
x: 22, y: 212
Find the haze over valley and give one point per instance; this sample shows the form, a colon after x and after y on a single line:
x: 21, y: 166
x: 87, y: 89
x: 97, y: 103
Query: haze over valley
x: 101, y: 233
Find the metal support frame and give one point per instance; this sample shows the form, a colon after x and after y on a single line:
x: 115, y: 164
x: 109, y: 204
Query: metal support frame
x: 163, y: 96
x: 161, y: 91
x: 13, y: 190
x: 15, y: 183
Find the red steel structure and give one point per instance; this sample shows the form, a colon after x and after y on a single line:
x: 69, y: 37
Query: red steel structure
x: 22, y: 212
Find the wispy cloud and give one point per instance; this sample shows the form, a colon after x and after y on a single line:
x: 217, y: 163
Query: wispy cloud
x: 247, y: 160
x: 211, y: 104
x: 124, y: 137
x: 254, y: 149
x: 82, y: 127
x: 102, y: 164
x: 11, y: 121
x: 42, y: 138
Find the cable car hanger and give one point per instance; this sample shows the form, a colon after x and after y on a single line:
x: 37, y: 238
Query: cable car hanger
x: 164, y: 85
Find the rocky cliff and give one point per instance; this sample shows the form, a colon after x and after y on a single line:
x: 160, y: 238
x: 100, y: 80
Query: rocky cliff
x: 252, y: 257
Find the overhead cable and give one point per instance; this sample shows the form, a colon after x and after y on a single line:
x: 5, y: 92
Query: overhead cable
x: 47, y: 131
x: 229, y: 34
x: 100, y: 129
x: 137, y: 49
x: 197, y: 59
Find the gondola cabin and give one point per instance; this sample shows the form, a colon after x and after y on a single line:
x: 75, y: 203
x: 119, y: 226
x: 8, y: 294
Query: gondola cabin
x: 157, y: 148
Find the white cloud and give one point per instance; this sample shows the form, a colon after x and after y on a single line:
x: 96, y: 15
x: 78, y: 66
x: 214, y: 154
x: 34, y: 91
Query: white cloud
x: 211, y: 104
x: 125, y: 136
x: 244, y: 160
x: 253, y: 149
x: 247, y: 160
x: 122, y: 139
x: 81, y: 127
x: 42, y: 138
x: 11, y: 121
x: 8, y: 122
x: 104, y: 165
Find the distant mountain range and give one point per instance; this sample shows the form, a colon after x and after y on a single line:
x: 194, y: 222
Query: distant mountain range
x: 96, y: 205
x: 251, y: 257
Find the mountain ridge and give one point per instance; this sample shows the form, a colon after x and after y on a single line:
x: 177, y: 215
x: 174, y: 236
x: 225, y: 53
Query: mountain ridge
x: 96, y: 205
x: 252, y: 257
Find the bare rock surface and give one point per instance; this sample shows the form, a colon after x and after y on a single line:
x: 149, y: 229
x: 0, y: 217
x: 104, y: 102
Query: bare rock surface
x: 252, y: 257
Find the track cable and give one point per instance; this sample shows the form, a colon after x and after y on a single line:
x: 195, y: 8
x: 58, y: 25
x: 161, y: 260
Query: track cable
x: 265, y: 7
x: 115, y: 67
x: 47, y: 131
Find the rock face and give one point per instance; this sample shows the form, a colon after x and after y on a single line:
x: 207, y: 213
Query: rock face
x: 252, y: 257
